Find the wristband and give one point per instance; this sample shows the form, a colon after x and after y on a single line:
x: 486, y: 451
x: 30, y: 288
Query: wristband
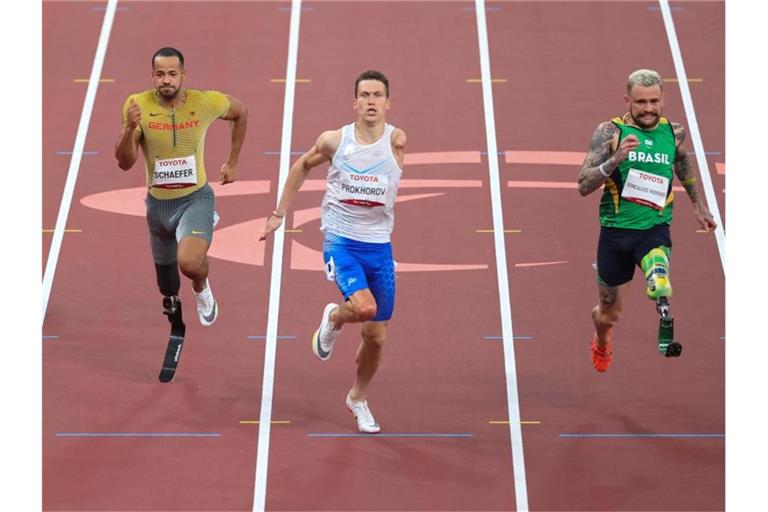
x: 689, y: 181
x: 600, y: 168
x: 274, y: 214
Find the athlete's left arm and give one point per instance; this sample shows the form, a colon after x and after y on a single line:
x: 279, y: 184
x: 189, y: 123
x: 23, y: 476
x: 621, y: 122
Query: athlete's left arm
x: 685, y: 174
x: 398, y: 146
x: 238, y: 115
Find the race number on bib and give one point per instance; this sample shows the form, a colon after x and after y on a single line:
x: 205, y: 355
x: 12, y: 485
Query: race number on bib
x: 646, y: 189
x: 175, y: 173
x: 363, y: 190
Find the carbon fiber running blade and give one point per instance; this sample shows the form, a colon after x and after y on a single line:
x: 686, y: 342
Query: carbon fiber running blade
x: 175, y: 343
x: 172, y: 353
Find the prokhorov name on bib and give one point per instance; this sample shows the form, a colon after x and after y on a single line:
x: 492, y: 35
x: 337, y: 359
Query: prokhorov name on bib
x: 377, y: 191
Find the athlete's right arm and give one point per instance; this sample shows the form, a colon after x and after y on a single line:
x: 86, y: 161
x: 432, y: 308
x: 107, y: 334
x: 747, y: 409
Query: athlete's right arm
x: 127, y: 144
x: 321, y: 152
x: 604, y: 156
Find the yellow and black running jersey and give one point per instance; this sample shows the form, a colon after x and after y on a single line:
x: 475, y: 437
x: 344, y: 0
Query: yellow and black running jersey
x: 173, y: 140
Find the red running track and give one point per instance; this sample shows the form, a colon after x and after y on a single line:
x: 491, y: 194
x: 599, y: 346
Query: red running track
x: 439, y: 373
x: 556, y: 107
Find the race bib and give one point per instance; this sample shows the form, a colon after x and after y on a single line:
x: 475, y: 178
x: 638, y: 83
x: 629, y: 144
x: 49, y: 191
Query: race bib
x: 363, y: 190
x: 645, y: 188
x: 175, y: 173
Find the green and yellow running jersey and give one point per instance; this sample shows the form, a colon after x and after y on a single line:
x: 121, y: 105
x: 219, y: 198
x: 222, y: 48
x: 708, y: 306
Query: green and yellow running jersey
x: 638, y: 194
x: 173, y: 141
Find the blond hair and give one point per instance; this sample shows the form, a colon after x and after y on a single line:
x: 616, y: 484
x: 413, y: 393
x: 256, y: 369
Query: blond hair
x: 643, y: 78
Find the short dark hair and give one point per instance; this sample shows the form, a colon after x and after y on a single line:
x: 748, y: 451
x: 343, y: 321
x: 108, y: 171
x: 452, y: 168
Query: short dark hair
x: 167, y: 51
x: 373, y: 75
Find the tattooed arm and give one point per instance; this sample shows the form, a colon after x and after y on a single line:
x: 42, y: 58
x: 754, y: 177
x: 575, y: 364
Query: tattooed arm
x: 599, y: 162
x: 685, y: 174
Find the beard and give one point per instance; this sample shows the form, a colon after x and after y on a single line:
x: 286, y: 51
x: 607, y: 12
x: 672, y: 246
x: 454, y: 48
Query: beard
x: 646, y: 122
x: 168, y: 92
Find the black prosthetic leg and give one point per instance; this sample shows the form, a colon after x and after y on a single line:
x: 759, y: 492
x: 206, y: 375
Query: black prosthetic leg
x: 172, y: 308
x: 668, y: 347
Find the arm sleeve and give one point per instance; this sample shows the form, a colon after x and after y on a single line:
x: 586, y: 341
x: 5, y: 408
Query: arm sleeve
x: 217, y: 102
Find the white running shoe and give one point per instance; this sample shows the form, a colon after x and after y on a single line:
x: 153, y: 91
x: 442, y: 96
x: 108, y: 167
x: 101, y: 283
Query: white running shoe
x: 325, y: 335
x: 207, y: 308
x: 365, y: 421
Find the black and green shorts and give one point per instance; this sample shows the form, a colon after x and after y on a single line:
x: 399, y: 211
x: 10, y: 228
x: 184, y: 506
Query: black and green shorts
x: 619, y: 250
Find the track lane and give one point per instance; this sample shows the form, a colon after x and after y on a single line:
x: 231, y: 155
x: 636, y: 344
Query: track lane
x: 574, y: 77
x: 438, y: 375
x: 100, y: 374
x: 69, y: 59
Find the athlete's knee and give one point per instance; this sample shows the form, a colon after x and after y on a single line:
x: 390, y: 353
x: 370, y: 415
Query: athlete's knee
x: 655, y: 266
x: 191, y: 263
x: 365, y: 311
x: 168, y: 280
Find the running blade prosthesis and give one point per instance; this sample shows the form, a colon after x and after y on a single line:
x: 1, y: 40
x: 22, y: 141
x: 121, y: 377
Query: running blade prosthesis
x: 667, y: 345
x: 172, y: 309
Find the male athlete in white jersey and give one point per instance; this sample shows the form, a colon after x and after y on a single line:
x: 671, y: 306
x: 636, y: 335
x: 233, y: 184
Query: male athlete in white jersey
x: 357, y: 219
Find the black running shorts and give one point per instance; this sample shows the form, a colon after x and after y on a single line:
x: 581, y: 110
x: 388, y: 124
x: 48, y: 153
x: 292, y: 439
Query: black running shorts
x: 620, y: 250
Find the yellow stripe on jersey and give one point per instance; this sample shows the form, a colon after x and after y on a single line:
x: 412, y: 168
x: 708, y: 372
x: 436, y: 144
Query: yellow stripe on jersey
x: 670, y: 199
x: 176, y: 136
x: 620, y: 120
x: 611, y: 187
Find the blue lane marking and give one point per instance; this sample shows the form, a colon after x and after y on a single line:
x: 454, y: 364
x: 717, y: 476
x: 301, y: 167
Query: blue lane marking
x: 513, y: 337
x: 635, y: 436
x: 302, y: 8
x: 138, y: 434
x: 487, y: 9
x: 260, y: 337
x: 85, y: 153
x: 394, y: 434
x: 657, y: 8
x: 485, y: 153
x: 277, y: 153
x: 101, y: 8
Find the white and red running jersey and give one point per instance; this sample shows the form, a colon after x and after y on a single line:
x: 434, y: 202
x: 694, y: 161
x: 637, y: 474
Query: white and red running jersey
x: 361, y: 188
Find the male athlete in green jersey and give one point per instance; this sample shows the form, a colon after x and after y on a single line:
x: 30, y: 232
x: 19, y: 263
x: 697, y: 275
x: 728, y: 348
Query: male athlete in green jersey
x: 633, y: 157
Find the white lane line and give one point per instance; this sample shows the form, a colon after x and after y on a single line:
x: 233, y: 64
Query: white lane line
x: 516, y: 436
x: 77, y: 153
x: 265, y: 418
x: 693, y: 128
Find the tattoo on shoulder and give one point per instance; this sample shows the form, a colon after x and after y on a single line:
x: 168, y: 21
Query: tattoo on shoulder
x: 679, y: 132
x: 600, y: 147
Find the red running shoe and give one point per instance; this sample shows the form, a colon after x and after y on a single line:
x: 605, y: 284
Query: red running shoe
x: 601, y: 356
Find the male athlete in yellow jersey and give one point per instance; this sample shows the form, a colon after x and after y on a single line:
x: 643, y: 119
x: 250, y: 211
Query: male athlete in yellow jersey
x: 169, y: 124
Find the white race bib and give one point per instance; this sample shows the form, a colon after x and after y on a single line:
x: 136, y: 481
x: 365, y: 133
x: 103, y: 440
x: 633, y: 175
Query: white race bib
x: 645, y: 188
x: 362, y: 189
x: 175, y: 173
